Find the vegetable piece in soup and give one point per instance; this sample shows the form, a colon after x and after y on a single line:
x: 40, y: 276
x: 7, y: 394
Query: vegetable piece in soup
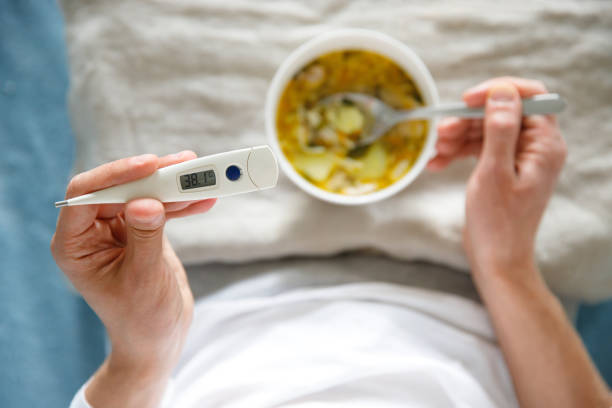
x: 320, y: 140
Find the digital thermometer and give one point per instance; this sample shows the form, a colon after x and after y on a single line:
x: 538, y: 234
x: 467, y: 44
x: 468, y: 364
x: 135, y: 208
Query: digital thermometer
x: 218, y: 175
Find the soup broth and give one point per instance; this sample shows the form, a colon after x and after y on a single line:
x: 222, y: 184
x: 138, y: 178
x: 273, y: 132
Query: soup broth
x: 319, y: 140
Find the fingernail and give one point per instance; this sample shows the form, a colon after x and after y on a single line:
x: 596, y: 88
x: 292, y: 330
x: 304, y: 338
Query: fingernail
x: 502, y: 93
x: 182, y: 154
x: 475, y: 89
x: 138, y: 160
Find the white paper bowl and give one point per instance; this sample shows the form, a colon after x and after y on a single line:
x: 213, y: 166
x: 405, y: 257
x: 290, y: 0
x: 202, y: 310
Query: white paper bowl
x: 354, y: 39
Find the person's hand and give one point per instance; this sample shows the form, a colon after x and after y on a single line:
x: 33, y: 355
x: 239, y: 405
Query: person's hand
x: 519, y: 162
x: 118, y: 258
x: 518, y: 166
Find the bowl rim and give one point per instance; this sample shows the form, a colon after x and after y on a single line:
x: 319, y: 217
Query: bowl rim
x: 356, y: 39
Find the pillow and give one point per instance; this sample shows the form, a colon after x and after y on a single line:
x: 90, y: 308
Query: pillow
x: 160, y: 77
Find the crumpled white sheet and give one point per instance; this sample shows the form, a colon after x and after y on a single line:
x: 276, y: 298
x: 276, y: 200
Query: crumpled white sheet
x: 367, y: 344
x: 163, y: 76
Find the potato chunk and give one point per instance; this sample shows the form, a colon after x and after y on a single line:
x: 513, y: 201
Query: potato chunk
x: 374, y: 162
x: 316, y: 167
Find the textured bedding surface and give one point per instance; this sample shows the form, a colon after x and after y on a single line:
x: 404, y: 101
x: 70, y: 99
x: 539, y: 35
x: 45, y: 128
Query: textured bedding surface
x: 159, y: 77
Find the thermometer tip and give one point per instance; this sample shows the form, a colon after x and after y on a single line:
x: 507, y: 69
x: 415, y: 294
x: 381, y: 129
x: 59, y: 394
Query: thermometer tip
x: 61, y: 203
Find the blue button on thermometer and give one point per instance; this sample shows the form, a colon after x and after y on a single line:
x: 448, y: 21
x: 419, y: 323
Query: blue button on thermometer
x: 245, y: 170
x: 233, y: 172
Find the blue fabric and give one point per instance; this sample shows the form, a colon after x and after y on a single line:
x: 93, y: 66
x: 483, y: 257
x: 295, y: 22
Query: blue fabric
x: 50, y: 341
x: 594, y: 324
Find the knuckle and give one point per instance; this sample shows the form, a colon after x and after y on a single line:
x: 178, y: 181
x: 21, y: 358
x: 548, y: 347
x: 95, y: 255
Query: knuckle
x: 473, y: 189
x: 492, y: 170
x: 502, y: 123
x: 536, y: 121
x: 53, y: 245
x: 501, y: 174
x: 525, y: 189
x: 74, y: 186
x: 59, y: 252
x: 539, y: 85
x: 486, y: 168
x: 560, y: 153
x: 144, y: 234
x: 501, y: 128
x: 562, y: 147
x: 503, y: 177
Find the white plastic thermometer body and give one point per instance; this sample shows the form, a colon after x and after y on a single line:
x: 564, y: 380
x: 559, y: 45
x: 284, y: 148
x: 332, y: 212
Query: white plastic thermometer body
x: 218, y: 175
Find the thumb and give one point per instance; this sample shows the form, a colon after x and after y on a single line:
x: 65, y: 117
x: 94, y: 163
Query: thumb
x: 145, y: 220
x: 502, y: 125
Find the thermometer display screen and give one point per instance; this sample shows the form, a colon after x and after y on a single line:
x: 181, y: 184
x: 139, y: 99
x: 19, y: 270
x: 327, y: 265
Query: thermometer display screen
x: 200, y: 179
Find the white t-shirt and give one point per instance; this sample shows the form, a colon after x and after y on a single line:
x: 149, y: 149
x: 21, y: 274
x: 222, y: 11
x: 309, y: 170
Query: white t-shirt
x: 354, y: 345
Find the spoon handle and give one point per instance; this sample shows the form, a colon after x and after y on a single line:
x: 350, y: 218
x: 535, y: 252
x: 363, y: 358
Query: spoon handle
x: 537, y: 105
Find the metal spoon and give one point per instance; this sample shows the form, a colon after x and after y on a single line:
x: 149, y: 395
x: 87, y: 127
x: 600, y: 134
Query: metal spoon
x: 382, y: 117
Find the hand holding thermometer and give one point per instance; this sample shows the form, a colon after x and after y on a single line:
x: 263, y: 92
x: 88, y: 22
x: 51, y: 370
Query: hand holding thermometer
x: 218, y: 175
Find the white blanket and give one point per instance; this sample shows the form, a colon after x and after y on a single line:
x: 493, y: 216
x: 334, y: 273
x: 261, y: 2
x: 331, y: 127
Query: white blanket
x: 362, y: 345
x: 163, y: 76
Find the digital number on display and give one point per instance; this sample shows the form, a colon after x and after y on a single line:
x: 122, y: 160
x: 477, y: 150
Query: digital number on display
x: 200, y: 179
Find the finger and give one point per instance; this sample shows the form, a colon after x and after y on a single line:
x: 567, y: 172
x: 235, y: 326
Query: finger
x: 439, y: 163
x: 453, y: 132
x: 501, y: 127
x: 111, y: 210
x: 452, y: 127
x: 473, y: 135
x: 73, y: 220
x: 448, y: 147
x: 175, y: 158
x: 113, y: 173
x: 195, y: 208
x: 539, y: 122
x: 144, y: 219
x: 118, y: 228
x: 477, y: 95
x: 178, y: 206
x: 477, y: 124
x: 107, y: 211
x: 540, y: 149
x: 117, y: 221
x: 470, y: 148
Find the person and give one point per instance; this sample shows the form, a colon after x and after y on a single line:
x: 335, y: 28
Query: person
x: 117, y: 257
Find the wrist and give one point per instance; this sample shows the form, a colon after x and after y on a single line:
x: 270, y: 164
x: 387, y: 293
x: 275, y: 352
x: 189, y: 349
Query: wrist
x: 522, y: 275
x: 127, y: 383
x: 153, y: 355
x: 139, y: 371
x: 488, y: 265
